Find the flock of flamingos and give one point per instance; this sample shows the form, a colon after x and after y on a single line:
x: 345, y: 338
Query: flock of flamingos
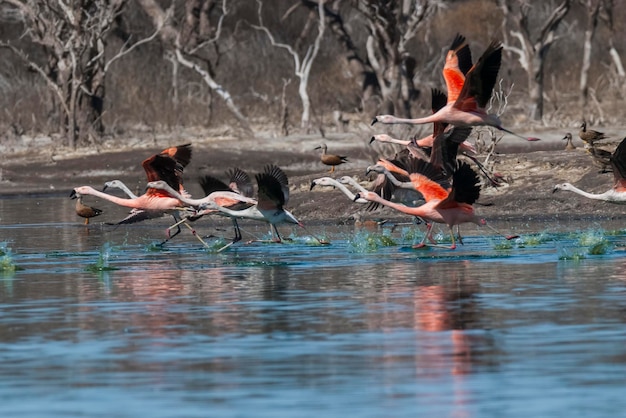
x: 425, y: 171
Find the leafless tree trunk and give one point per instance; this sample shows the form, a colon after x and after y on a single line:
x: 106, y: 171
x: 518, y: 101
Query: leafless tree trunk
x: 532, y: 49
x: 392, y: 25
x: 607, y: 16
x: 73, y: 37
x: 188, y: 40
x: 593, y: 10
x: 363, y: 74
x: 302, y: 66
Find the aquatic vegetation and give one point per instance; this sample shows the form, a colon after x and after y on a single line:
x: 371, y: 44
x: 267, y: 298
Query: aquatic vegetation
x: 533, y: 240
x: 6, y: 260
x: 503, y: 245
x: 364, y: 241
x: 595, y: 241
x: 103, y: 260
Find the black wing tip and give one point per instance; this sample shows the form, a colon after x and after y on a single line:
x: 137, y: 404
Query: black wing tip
x: 457, y: 41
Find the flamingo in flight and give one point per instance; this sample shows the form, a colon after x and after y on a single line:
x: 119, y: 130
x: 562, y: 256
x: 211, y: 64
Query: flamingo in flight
x: 438, y: 102
x: 236, y: 196
x: 450, y: 206
x: 168, y: 166
x: 469, y: 107
x: 617, y: 194
x: 272, y: 196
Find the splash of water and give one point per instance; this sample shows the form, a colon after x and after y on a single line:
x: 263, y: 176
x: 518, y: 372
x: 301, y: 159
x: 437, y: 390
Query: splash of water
x: 103, y: 263
x: 6, y: 260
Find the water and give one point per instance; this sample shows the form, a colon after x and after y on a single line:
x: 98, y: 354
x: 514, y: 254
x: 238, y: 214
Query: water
x: 99, y: 322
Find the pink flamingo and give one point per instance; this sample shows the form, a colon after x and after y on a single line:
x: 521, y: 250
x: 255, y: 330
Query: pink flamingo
x: 446, y: 206
x: 167, y: 166
x: 272, y: 196
x: 469, y: 107
x: 235, y: 196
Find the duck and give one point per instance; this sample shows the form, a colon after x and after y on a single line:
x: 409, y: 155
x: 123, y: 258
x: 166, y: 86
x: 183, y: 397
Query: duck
x: 590, y: 136
x: 331, y: 159
x: 85, y: 211
x: 570, y: 145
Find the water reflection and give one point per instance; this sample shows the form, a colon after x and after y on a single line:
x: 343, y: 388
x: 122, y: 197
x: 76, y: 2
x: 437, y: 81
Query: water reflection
x: 266, y: 330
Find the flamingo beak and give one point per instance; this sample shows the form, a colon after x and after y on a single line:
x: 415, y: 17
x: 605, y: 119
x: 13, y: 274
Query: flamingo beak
x: 372, y: 139
x: 73, y: 194
x: 312, y: 185
x: 374, y: 121
x: 356, y: 197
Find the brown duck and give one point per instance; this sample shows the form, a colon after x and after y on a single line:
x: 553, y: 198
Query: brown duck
x: 83, y: 210
x: 331, y: 159
x: 590, y: 136
x: 570, y: 145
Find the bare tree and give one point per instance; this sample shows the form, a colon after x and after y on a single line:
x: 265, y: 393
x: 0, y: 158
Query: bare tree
x: 190, y: 39
x: 73, y: 38
x: 360, y: 69
x: 608, y: 17
x: 302, y: 65
x: 593, y: 11
x: 534, y: 39
x: 392, y: 25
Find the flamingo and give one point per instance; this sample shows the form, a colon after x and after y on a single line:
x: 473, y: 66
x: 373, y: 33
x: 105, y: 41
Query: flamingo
x: 469, y: 107
x: 438, y: 101
x: 273, y: 194
x: 617, y: 194
x: 331, y: 159
x: 447, y: 206
x: 85, y: 211
x: 168, y: 166
x: 217, y: 193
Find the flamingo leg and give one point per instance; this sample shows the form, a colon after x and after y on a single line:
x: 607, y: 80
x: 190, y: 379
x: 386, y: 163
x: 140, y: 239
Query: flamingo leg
x: 458, y: 234
x: 195, y: 234
x: 278, y: 238
x: 453, y: 246
x: 429, y: 227
x: 235, y: 239
x: 168, y: 230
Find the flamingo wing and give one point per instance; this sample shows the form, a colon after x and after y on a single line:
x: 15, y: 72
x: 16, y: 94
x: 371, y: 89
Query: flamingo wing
x: 240, y: 182
x: 180, y: 153
x: 618, y: 162
x: 270, y: 193
x: 438, y: 100
x: 212, y: 184
x: 481, y: 79
x: 457, y: 65
x: 160, y: 167
x: 281, y: 178
x: 465, y: 187
x: 428, y: 180
x: 446, y: 146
